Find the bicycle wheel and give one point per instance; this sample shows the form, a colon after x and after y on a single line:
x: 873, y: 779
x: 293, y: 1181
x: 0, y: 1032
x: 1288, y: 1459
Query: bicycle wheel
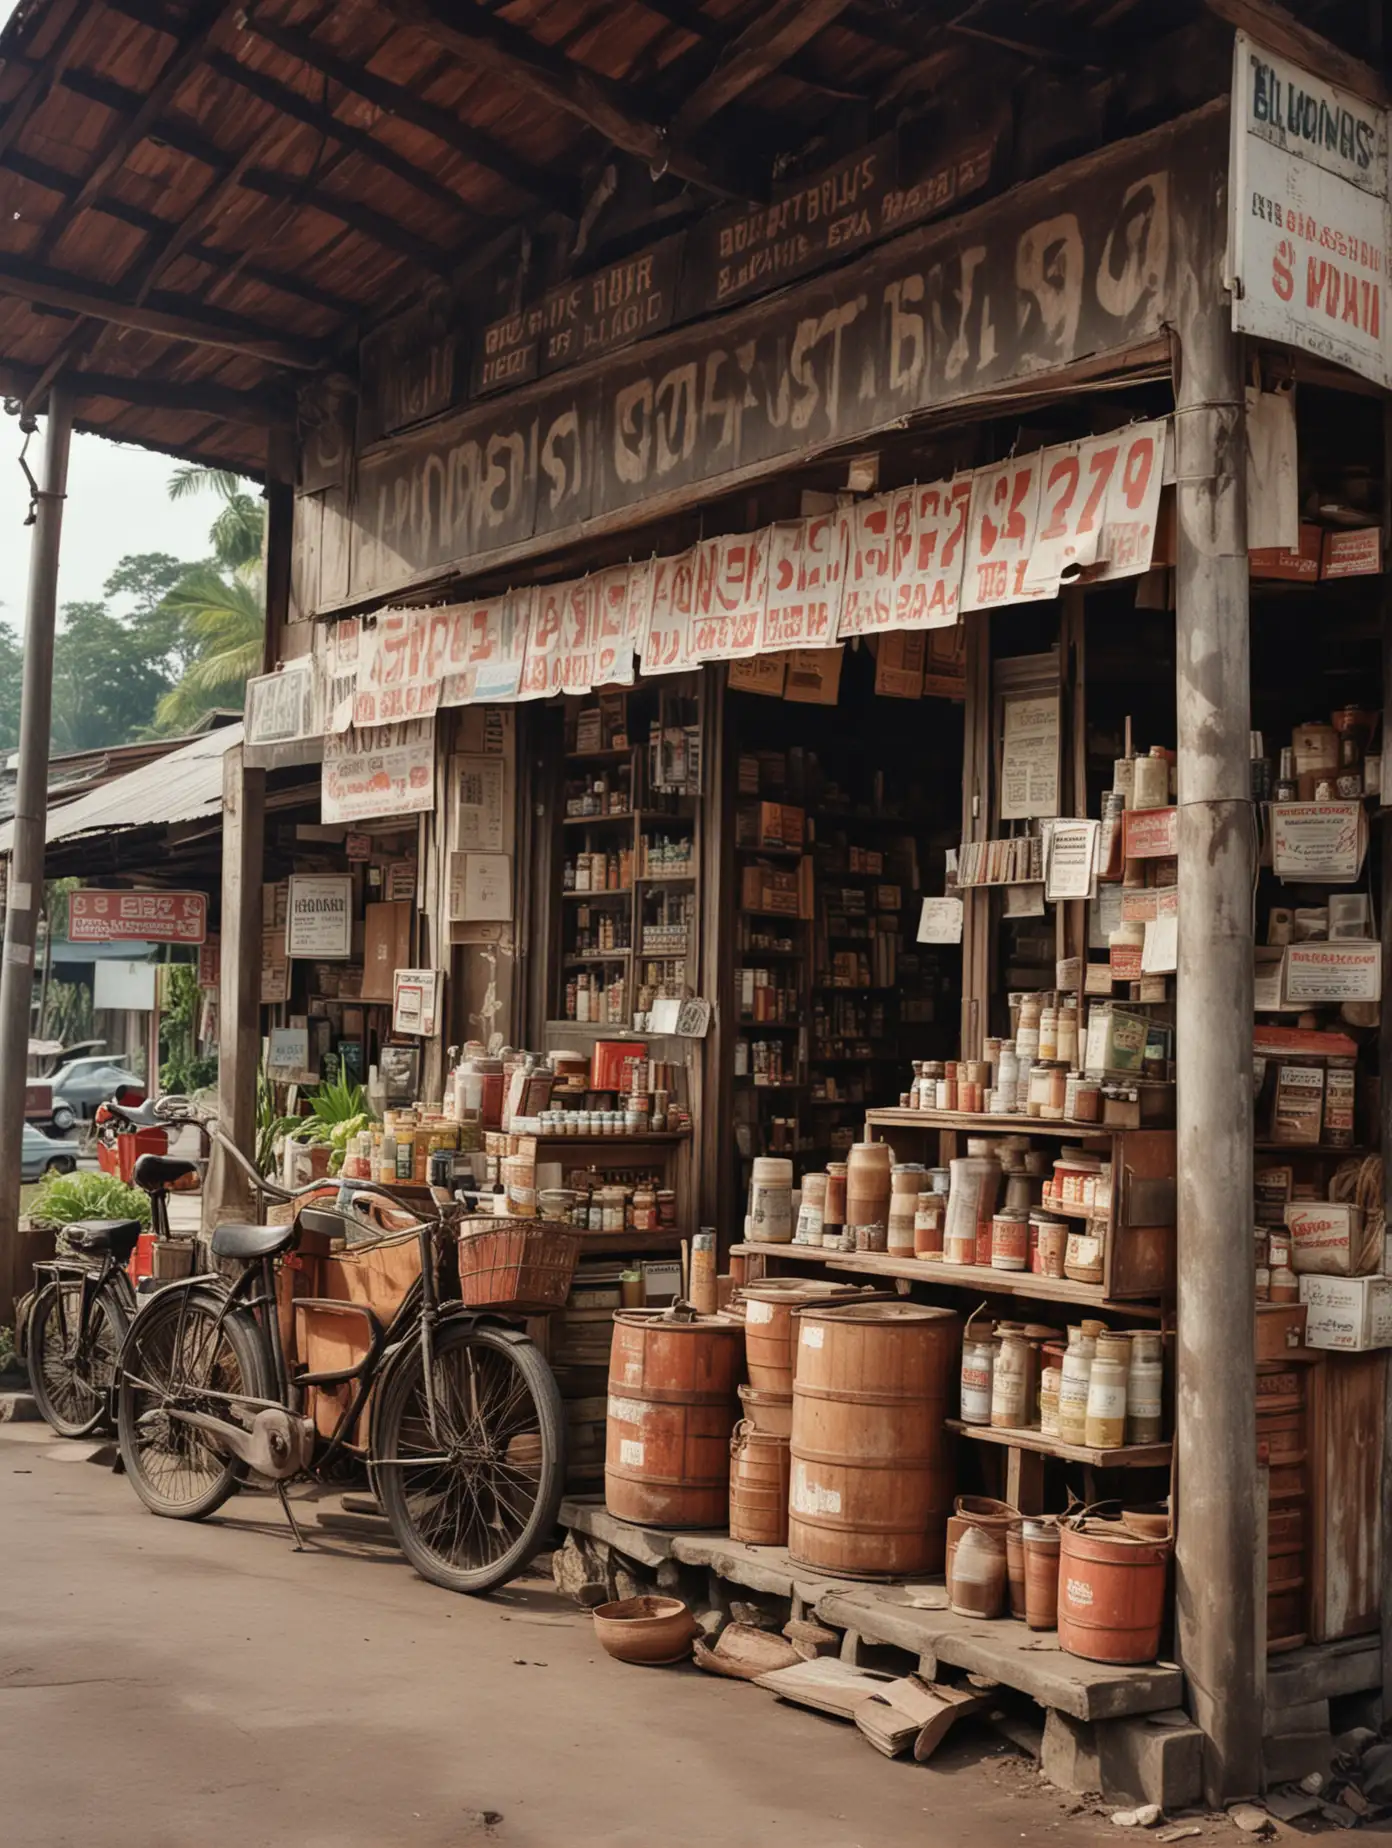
x: 178, y: 1353
x: 73, y: 1389
x: 470, y: 1511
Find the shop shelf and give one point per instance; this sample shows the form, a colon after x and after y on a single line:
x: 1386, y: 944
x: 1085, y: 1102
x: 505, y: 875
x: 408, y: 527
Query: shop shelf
x: 901, y: 1118
x: 619, y: 1244
x: 596, y: 956
x: 1307, y: 1148
x: 773, y: 1026
x: 1130, y: 1456
x: 646, y: 879
x: 598, y: 821
x: 650, y: 1136
x: 616, y: 754
x: 980, y: 1278
x: 771, y: 853
x: 595, y: 898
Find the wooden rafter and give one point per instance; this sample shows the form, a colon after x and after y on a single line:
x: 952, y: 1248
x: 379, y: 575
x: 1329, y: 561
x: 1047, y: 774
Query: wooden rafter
x: 782, y: 28
x: 690, y: 17
x: 43, y: 287
x: 388, y: 232
x: 487, y: 42
x: 259, y: 409
x: 290, y: 103
x: 223, y: 263
x: 44, y: 73
x: 395, y: 100
x: 188, y: 52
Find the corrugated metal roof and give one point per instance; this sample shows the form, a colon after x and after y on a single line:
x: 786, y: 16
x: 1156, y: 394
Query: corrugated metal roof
x: 185, y: 785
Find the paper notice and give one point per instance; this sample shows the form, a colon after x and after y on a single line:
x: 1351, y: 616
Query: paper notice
x: 1160, y: 951
x: 940, y: 921
x: 1030, y: 757
x: 1070, y: 850
x: 1318, y: 842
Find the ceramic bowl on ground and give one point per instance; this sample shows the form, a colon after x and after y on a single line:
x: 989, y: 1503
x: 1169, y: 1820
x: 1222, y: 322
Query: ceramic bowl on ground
x: 652, y: 1631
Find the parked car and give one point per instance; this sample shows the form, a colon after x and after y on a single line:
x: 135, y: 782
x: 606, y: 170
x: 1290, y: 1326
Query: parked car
x: 82, y: 1084
x: 43, y: 1155
x: 47, y: 1108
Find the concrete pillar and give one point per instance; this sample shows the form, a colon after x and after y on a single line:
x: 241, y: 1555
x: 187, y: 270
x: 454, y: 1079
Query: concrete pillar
x: 1220, y: 1534
x: 227, y: 1194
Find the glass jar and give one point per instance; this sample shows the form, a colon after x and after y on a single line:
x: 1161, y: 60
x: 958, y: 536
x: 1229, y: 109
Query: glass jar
x: 1145, y: 1385
x: 1075, y: 1375
x: 1105, y: 1421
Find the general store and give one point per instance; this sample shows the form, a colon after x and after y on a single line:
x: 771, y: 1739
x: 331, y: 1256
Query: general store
x: 828, y: 679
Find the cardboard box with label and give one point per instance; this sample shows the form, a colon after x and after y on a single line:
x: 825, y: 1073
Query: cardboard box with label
x: 1347, y: 1314
x: 1329, y: 1238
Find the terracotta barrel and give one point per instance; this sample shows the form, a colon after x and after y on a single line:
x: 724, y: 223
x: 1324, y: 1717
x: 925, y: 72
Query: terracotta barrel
x: 872, y: 1471
x: 769, y: 1308
x: 758, y: 1487
x: 769, y: 1412
x: 671, y: 1410
x: 1111, y: 1593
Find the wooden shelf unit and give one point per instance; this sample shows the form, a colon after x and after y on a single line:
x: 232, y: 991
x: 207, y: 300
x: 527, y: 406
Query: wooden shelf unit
x: 1139, y: 1254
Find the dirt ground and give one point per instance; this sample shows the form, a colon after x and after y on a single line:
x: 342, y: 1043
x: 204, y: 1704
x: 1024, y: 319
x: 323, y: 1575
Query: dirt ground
x: 173, y: 1686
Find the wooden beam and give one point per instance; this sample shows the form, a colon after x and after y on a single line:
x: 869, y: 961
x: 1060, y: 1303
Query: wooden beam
x: 393, y: 99
x: 45, y: 72
x: 688, y: 16
x: 781, y: 28
x: 223, y: 262
x: 188, y: 53
x: 1273, y: 26
x: 48, y: 288
x: 289, y: 102
x: 485, y: 41
x: 383, y: 230
x: 259, y: 410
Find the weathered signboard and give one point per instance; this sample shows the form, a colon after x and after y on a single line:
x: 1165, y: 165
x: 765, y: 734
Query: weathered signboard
x: 581, y: 320
x: 1081, y: 264
x: 1309, y: 210
x: 410, y: 370
x: 96, y: 916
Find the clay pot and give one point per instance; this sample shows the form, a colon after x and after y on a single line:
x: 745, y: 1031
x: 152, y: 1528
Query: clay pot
x: 648, y: 1631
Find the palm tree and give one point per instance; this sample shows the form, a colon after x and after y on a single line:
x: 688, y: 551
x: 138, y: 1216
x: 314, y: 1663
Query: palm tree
x: 222, y: 602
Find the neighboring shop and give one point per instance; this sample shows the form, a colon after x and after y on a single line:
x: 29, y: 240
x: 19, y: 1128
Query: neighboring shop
x: 914, y: 740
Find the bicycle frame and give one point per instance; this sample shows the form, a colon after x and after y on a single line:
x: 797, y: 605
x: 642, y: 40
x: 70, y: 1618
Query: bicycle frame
x: 95, y: 1279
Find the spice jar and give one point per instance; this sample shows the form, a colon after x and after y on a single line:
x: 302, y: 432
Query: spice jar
x: 1145, y: 1383
x: 1009, y: 1241
x: 1075, y: 1374
x: 1048, y: 1034
x: 834, y: 1204
x: 978, y: 1369
x: 1040, y: 1089
x: 1083, y: 1254
x: 929, y: 1214
x: 1048, y: 1243
x: 644, y: 1209
x: 1105, y: 1424
x: 1012, y: 1381
x: 1067, y: 1046
x: 810, y: 1210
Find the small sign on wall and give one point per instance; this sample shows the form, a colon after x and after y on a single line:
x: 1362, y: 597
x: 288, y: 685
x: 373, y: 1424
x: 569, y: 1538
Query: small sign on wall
x: 319, y: 917
x: 416, y: 1001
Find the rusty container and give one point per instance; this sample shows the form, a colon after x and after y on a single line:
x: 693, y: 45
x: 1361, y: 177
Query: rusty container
x: 758, y: 1487
x: 1111, y: 1592
x: 769, y: 1308
x: 1015, y: 1567
x: 872, y: 1463
x: 1041, y: 1543
x: 672, y: 1408
x: 769, y: 1412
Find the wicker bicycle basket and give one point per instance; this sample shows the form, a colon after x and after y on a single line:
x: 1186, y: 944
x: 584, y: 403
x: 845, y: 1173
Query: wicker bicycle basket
x: 515, y: 1263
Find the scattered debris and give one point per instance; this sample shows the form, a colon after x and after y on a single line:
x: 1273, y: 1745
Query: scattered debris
x: 1313, y: 1784
x: 1375, y: 1774
x: 1290, y: 1805
x: 1179, y: 1835
x: 1356, y: 1741
x: 1250, y: 1819
x: 913, y: 1712
x: 1145, y: 1817
x: 828, y: 1685
x: 743, y: 1653
x: 811, y: 1639
x: 1336, y: 1812
x: 1356, y: 1801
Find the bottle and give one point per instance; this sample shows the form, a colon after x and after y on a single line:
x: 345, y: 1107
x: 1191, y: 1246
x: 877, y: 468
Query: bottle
x: 1287, y: 789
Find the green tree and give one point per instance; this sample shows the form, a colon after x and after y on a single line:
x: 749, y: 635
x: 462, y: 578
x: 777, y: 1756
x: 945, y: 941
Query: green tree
x: 11, y: 679
x: 160, y: 631
x: 220, y: 604
x: 104, y: 690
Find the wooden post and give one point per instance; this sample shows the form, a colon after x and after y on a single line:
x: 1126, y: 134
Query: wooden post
x: 1385, y: 1042
x: 1221, y: 1630
x: 227, y: 1194
x: 26, y: 883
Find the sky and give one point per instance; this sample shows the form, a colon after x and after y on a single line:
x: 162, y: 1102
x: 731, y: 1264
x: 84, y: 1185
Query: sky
x: 118, y: 503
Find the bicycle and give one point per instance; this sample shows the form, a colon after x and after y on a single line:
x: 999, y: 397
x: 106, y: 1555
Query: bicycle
x: 457, y: 1413
x: 84, y: 1301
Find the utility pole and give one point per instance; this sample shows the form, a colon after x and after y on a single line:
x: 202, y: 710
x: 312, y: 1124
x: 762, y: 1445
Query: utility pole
x: 24, y: 899
x: 1221, y: 1533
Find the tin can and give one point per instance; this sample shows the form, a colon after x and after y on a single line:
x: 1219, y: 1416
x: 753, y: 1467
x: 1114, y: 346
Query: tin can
x: 1009, y: 1241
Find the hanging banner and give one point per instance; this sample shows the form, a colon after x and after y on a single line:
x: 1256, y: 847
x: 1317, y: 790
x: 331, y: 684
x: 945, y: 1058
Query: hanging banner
x: 387, y: 771
x: 867, y: 597
x: 727, y: 610
x: 1099, y: 503
x: 928, y: 578
x: 402, y: 662
x: 802, y: 604
x: 1001, y: 531
x: 1307, y: 194
x: 283, y: 724
x: 488, y: 643
x: 342, y: 643
x: 582, y: 633
x: 666, y: 645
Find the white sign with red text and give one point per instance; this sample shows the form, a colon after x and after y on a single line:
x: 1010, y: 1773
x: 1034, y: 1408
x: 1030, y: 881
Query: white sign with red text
x: 1001, y: 531
x: 802, y: 603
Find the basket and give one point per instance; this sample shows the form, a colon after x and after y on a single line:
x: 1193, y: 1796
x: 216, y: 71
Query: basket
x: 515, y: 1263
